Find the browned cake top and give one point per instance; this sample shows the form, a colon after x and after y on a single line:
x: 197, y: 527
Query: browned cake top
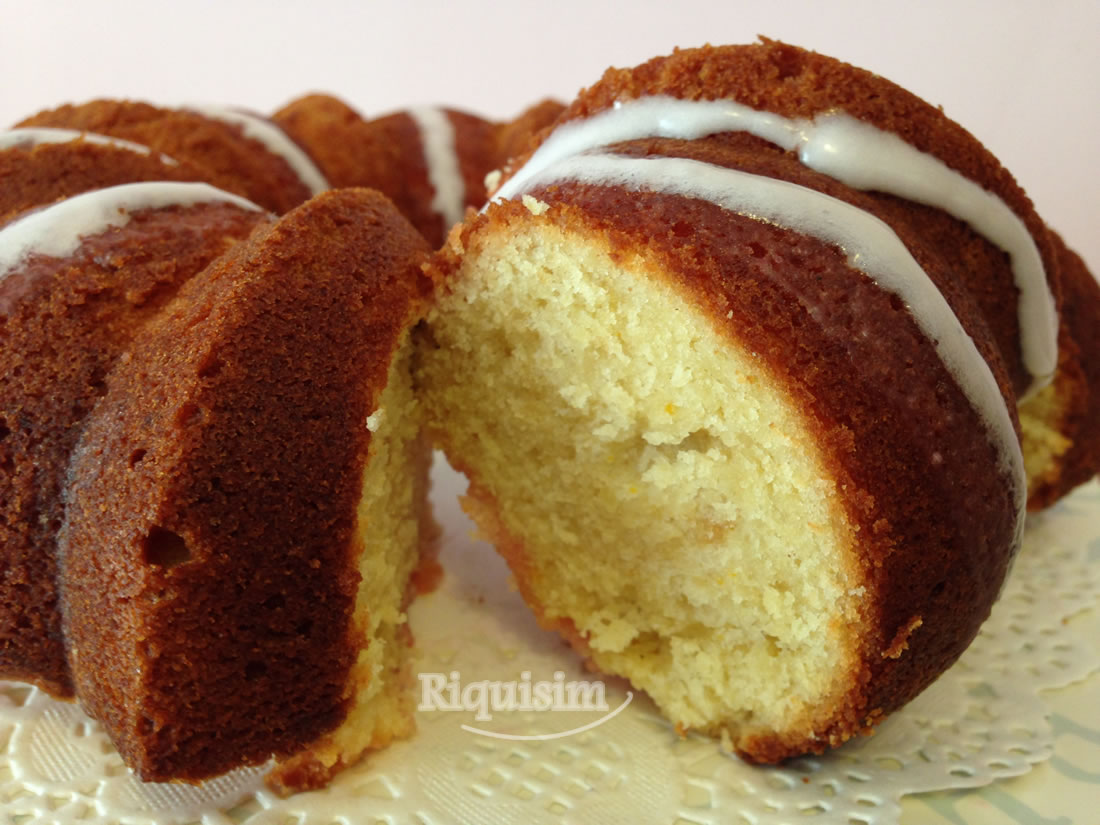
x: 795, y: 83
x: 64, y: 323
x: 337, y: 138
x: 207, y: 562
x: 41, y: 173
x: 227, y: 157
x: 514, y: 137
x: 389, y: 154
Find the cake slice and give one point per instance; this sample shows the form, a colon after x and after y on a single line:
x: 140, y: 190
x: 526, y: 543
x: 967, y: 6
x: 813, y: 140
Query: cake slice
x: 735, y: 385
x: 246, y: 508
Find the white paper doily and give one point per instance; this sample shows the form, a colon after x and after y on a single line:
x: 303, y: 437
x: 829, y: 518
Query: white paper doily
x: 981, y: 721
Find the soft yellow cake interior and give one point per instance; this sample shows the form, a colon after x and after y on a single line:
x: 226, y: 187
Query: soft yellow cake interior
x: 1041, y: 423
x: 393, y: 528
x: 645, y: 478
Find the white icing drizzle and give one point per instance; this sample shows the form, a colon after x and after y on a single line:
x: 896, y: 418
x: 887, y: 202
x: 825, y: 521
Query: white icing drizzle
x: 864, y: 157
x: 870, y: 244
x: 274, y: 139
x: 851, y: 151
x: 59, y: 230
x: 35, y: 136
x: 25, y: 138
x: 437, y: 137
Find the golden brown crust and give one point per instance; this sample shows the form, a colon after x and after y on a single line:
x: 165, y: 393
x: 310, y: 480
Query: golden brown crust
x: 41, y: 174
x: 794, y: 82
x: 517, y: 136
x: 387, y: 153
x: 226, y: 157
x: 347, y: 148
x: 384, y: 154
x: 65, y: 323
x: 207, y: 560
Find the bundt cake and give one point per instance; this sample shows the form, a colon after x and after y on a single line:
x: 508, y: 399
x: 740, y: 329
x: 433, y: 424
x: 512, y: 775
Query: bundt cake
x: 232, y: 149
x: 754, y: 362
x: 430, y: 162
x: 732, y: 362
x: 77, y: 282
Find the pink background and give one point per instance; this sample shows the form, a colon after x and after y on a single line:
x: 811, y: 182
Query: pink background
x: 1023, y: 75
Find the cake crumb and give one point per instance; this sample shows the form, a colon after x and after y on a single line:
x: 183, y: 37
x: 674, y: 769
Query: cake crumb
x: 726, y: 742
x: 374, y: 420
x: 535, y: 206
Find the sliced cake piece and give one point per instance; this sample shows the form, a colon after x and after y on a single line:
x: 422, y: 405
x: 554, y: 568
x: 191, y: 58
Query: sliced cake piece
x: 737, y: 395
x: 246, y: 508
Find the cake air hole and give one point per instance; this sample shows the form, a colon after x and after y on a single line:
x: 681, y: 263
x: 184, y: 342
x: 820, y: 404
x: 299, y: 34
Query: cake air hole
x: 211, y: 368
x: 166, y: 549
x: 276, y: 602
